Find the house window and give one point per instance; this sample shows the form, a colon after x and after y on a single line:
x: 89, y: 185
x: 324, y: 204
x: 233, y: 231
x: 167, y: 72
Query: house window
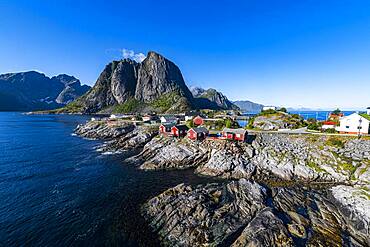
x: 347, y: 127
x: 238, y: 135
x: 359, y: 127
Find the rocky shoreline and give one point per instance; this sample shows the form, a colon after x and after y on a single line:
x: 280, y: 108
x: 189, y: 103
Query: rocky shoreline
x: 265, y: 196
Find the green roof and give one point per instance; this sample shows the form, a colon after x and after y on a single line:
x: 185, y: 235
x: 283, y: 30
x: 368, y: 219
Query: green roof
x: 364, y: 115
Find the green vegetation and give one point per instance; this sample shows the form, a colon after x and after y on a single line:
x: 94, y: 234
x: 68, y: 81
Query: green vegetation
x: 222, y: 123
x: 267, y: 112
x: 166, y: 101
x: 337, y: 111
x: 364, y: 115
x: 347, y: 167
x: 130, y: 106
x: 190, y: 124
x: 228, y: 123
x: 335, y: 142
x: 313, y: 124
x: 315, y: 166
x: 283, y: 109
x: 330, y: 131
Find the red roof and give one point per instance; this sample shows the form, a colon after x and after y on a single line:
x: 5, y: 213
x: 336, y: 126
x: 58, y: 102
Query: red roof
x: 329, y: 123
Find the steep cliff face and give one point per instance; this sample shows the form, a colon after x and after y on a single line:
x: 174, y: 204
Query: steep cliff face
x: 27, y: 91
x: 212, y: 99
x: 154, y: 84
x: 158, y: 76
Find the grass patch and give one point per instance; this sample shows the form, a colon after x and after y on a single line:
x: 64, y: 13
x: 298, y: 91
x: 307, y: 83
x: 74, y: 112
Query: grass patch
x: 335, y: 142
x: 130, y: 106
x: 166, y: 101
x: 347, y: 167
x: 315, y: 166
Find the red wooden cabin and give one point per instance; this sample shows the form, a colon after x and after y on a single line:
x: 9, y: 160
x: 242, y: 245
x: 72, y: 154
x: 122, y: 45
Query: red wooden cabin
x: 179, y: 130
x: 166, y: 128
x: 235, y: 134
x: 197, y: 133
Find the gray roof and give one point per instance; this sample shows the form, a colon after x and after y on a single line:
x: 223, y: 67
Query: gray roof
x: 170, y: 118
x: 200, y: 130
x: 182, y: 127
x: 166, y: 125
x: 236, y: 131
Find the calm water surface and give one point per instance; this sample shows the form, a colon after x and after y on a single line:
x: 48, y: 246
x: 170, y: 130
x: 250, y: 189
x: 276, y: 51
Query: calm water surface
x: 56, y: 190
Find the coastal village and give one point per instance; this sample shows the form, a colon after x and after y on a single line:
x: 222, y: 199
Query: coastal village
x: 224, y: 125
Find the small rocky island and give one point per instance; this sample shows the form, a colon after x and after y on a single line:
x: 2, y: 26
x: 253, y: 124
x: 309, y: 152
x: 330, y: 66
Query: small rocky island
x: 271, y: 190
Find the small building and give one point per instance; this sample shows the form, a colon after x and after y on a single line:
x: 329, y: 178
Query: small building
x: 198, y: 120
x: 147, y: 118
x: 119, y: 116
x: 328, y: 125
x: 266, y: 108
x: 191, y: 114
x: 335, y: 116
x: 169, y: 119
x: 179, y: 130
x: 198, y: 133
x: 354, y: 124
x: 150, y: 118
x: 234, y: 134
x: 368, y: 111
x: 166, y: 128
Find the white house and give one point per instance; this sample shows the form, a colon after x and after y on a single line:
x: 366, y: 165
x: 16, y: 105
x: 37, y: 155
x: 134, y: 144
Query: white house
x: 169, y: 119
x: 354, y: 124
x: 368, y: 111
x: 266, y: 108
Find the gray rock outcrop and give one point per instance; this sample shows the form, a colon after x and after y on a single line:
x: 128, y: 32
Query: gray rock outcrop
x: 145, y: 82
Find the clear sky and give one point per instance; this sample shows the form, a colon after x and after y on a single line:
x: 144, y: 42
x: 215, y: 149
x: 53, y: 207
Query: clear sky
x: 311, y: 53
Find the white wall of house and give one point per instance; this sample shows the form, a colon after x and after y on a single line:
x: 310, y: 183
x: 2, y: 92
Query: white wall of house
x: 188, y: 118
x: 265, y: 108
x: 327, y: 126
x: 352, y: 124
x: 368, y: 111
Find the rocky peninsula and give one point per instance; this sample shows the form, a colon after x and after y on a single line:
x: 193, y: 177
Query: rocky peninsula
x: 273, y: 190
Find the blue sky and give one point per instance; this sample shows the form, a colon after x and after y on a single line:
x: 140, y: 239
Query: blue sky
x: 310, y: 53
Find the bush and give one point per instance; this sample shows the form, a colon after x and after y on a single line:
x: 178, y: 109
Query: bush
x: 190, y: 123
x: 330, y: 131
x: 336, y: 111
x: 313, y: 126
x: 283, y: 109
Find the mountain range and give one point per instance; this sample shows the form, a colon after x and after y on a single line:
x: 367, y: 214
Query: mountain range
x: 248, y: 106
x: 125, y: 86
x: 30, y: 91
x: 155, y: 84
x: 212, y: 99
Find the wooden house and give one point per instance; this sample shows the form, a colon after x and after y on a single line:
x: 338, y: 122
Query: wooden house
x: 179, y: 130
x: 234, y: 134
x: 166, y: 128
x: 198, y: 133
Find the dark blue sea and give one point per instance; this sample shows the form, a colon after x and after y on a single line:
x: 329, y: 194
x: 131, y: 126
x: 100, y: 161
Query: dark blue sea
x: 57, y: 190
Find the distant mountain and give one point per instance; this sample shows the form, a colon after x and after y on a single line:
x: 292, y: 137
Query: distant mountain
x: 211, y: 99
x: 30, y: 91
x: 248, y: 106
x: 155, y: 84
